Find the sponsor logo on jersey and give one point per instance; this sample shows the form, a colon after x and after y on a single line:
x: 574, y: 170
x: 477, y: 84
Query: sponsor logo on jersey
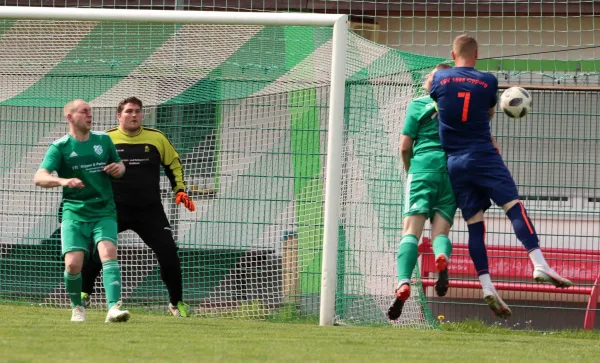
x: 73, y: 154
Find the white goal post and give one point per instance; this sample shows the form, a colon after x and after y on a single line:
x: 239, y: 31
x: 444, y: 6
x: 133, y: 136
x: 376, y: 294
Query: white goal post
x: 336, y: 98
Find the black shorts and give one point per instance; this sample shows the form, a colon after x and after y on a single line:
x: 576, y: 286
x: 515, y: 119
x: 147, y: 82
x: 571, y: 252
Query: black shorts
x: 143, y: 220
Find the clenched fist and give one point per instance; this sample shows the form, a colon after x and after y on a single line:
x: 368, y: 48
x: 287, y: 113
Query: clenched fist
x: 72, y: 183
x: 116, y: 170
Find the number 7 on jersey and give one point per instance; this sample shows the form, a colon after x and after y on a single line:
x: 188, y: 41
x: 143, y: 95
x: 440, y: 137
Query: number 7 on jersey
x: 467, y: 97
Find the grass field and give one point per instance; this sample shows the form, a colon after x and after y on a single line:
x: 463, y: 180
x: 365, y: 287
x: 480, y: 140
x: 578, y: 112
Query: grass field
x: 33, y: 334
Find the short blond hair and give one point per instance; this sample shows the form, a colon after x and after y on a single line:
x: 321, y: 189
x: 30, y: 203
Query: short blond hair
x: 70, y: 106
x: 442, y: 66
x: 464, y: 46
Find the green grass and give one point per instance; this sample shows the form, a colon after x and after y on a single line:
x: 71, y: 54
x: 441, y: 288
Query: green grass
x: 477, y: 326
x: 33, y: 334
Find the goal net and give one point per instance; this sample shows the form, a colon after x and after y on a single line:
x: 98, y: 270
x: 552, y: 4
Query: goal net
x: 247, y: 109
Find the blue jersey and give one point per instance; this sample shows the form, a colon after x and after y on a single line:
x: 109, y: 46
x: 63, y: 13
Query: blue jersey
x: 464, y: 97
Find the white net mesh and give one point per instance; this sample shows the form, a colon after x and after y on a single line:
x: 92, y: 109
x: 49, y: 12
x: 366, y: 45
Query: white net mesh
x: 247, y: 108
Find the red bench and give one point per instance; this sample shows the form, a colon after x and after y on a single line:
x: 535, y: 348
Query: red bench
x: 512, y: 270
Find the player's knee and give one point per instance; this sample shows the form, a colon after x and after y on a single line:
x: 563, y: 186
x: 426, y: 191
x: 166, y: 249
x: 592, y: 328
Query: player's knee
x: 107, y: 251
x: 73, y: 268
x: 478, y: 217
x: 509, y: 205
x: 74, y: 262
x: 414, y: 225
x: 169, y: 256
x: 439, y: 232
x: 440, y: 226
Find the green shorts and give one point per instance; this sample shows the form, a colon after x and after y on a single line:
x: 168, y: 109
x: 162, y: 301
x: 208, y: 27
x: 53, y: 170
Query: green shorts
x: 429, y: 193
x: 76, y: 235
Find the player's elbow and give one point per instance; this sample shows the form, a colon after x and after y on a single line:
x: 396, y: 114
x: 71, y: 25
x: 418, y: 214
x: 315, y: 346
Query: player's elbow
x: 406, y: 145
x: 38, y: 178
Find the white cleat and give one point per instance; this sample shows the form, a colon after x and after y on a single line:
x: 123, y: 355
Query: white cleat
x: 545, y: 274
x: 116, y: 315
x: 78, y: 314
x: 495, y: 302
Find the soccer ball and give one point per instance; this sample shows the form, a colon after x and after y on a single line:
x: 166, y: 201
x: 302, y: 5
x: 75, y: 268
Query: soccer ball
x: 515, y: 102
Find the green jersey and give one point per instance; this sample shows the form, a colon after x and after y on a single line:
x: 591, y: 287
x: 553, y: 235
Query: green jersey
x: 421, y: 124
x: 84, y: 160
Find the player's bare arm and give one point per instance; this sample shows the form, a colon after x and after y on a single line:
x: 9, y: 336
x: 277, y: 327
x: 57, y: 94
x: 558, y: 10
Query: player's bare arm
x: 116, y: 170
x: 44, y: 179
x: 492, y: 113
x: 495, y: 143
x: 406, y: 150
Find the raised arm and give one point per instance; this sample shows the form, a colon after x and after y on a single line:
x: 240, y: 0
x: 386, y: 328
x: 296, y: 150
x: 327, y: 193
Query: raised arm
x: 44, y: 179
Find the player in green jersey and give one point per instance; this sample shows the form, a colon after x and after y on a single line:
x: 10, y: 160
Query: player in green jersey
x: 429, y: 195
x: 85, y: 161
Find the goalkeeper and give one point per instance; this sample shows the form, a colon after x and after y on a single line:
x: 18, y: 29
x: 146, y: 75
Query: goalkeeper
x: 138, y: 199
x: 428, y: 195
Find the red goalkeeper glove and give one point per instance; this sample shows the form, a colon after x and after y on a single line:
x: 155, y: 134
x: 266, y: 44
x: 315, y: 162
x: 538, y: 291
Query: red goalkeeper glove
x: 182, y: 197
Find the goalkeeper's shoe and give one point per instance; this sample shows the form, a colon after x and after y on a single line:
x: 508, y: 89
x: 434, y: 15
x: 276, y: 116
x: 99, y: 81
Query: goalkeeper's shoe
x: 179, y: 311
x: 545, y: 274
x: 78, y: 314
x: 496, y: 303
x: 402, y: 294
x: 442, y: 283
x: 116, y: 315
x: 86, y: 299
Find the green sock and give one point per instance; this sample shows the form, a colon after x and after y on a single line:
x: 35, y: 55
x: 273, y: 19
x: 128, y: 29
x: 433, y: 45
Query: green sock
x: 442, y: 244
x: 73, y: 286
x: 111, y: 278
x: 408, y: 253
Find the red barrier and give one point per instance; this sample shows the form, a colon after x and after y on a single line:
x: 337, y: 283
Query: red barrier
x: 510, y: 262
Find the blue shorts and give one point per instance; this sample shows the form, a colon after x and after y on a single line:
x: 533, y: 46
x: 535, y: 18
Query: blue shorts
x: 478, y: 177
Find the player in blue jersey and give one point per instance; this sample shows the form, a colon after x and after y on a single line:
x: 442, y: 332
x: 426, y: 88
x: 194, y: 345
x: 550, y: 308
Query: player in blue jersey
x: 466, y: 99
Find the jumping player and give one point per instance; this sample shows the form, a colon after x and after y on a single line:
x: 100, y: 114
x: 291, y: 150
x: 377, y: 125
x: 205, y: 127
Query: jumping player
x: 429, y: 196
x: 465, y: 100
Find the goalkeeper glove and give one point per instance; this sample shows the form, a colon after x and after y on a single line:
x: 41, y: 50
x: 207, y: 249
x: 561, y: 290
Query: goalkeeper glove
x: 182, y: 197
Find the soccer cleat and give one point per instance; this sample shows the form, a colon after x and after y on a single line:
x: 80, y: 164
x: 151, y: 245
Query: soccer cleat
x: 497, y: 305
x: 442, y: 283
x: 78, y: 314
x: 116, y: 315
x: 86, y: 299
x: 402, y: 294
x: 545, y: 274
x: 179, y: 311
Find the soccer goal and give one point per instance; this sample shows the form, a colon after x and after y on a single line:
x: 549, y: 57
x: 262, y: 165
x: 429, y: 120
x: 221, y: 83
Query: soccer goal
x: 287, y: 126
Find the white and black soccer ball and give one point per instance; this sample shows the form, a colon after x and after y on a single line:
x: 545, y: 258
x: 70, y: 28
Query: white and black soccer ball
x: 516, y: 102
